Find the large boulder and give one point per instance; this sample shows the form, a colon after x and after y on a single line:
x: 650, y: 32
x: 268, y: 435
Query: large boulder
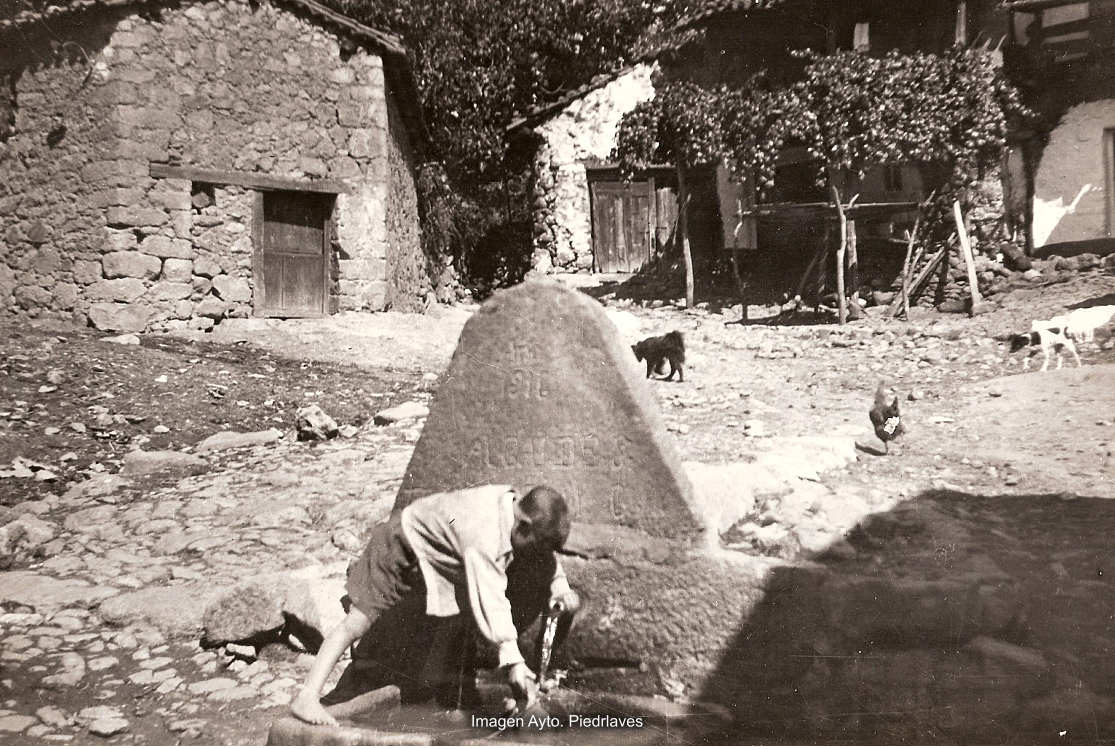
x: 307, y: 599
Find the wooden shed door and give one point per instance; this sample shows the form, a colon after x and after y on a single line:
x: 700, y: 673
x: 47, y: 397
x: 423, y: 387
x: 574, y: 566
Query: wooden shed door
x: 622, y: 225
x: 293, y: 256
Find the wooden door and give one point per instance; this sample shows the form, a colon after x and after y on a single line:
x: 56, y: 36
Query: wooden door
x: 623, y: 215
x: 292, y: 254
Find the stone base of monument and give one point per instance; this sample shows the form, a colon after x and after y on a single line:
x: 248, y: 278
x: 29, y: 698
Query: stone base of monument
x: 565, y: 716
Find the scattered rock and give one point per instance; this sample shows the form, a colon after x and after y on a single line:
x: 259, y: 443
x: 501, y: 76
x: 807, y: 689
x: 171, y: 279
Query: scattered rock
x: 239, y: 692
x: 105, y: 727
x: 173, y: 609
x: 314, y: 424
x: 189, y: 727
x: 70, y: 672
x: 346, y: 539
x: 401, y: 412
x: 32, y: 531
x: 46, y: 594
x: 100, y: 664
x: 754, y: 428
x: 242, y: 651
x: 127, y: 339
x: 882, y: 298
x: 981, y: 309
x: 52, y: 716
x: 141, y: 462
x: 1014, y: 258
x: 227, y: 440
x: 98, y: 712
x: 212, y: 685
x: 16, y: 723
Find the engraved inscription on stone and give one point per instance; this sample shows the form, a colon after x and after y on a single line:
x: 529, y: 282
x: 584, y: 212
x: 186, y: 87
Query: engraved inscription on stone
x: 540, y: 390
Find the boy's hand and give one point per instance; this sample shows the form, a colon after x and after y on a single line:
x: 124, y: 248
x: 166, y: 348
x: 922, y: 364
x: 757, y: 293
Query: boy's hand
x: 569, y: 601
x: 522, y: 682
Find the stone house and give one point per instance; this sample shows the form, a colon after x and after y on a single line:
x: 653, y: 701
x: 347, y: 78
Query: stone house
x: 573, y: 137
x: 575, y: 186
x: 1061, y: 51
x: 167, y: 165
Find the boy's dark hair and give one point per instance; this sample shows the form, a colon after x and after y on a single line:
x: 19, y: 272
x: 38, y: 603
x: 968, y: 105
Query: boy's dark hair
x: 549, y: 515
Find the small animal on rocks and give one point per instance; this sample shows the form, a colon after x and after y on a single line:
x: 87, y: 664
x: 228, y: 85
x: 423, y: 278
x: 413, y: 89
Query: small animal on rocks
x: 657, y: 351
x: 885, y: 417
x: 1050, y: 336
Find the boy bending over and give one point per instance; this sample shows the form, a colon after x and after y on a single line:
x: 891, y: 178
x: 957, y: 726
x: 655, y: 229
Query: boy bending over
x: 448, y: 547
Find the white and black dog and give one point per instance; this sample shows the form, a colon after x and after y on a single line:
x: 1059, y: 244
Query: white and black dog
x: 1050, y: 335
x: 1081, y: 324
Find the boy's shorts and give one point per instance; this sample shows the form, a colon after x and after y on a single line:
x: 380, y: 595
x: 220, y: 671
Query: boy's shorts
x: 386, y: 571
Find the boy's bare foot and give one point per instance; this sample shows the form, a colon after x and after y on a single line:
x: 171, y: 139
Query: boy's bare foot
x: 308, y: 707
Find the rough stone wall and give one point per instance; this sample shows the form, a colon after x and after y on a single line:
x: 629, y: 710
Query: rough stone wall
x: 55, y: 184
x: 361, y: 215
x: 213, y: 85
x: 1069, y: 183
x: 407, y: 277
x: 584, y: 130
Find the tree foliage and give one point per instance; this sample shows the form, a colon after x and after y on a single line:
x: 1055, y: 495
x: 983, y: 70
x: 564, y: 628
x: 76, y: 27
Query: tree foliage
x: 479, y: 63
x: 680, y: 125
x: 851, y: 111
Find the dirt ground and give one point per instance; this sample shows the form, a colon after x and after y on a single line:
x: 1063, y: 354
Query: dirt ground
x: 72, y: 404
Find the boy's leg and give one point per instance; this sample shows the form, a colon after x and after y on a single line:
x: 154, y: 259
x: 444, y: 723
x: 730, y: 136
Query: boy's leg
x: 307, y: 705
x: 380, y: 578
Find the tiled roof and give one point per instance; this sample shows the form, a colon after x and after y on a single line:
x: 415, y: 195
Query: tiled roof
x: 711, y: 8
x: 670, y: 40
x: 1031, y: 5
x: 384, y: 42
x: 538, y: 114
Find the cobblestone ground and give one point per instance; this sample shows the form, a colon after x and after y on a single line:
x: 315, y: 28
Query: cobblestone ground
x: 104, y: 590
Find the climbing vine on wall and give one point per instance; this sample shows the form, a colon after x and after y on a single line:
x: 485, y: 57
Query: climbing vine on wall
x: 852, y: 111
x: 849, y: 110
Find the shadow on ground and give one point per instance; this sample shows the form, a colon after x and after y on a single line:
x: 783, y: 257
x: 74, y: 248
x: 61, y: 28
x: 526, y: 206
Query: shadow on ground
x: 960, y: 619
x: 1098, y: 301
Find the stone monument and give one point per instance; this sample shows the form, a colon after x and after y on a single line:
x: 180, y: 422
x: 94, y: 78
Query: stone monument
x: 542, y: 390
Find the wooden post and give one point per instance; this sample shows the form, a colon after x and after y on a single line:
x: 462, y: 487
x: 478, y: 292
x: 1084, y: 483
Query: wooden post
x: 683, y: 229
x: 910, y: 238
x: 740, y: 288
x: 920, y: 278
x: 821, y: 275
x: 818, y: 256
x: 966, y: 250
x: 853, y: 260
x: 842, y: 305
